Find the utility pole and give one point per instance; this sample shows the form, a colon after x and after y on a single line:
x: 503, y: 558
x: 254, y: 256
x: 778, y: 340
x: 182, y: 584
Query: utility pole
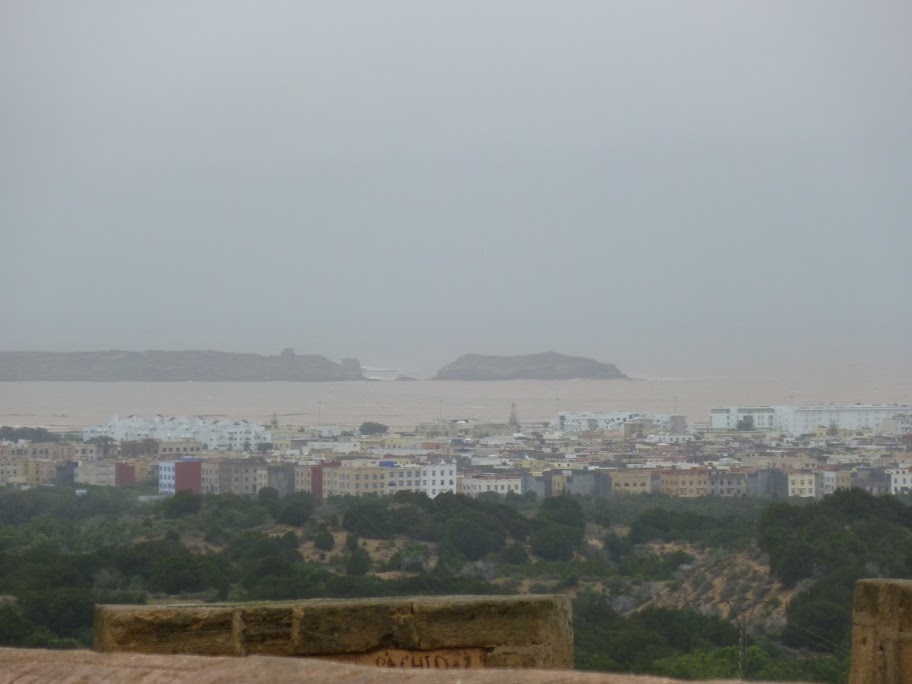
x: 742, y: 646
x: 743, y: 616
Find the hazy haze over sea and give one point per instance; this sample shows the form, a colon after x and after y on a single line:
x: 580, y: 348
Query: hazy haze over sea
x: 64, y: 405
x: 710, y: 190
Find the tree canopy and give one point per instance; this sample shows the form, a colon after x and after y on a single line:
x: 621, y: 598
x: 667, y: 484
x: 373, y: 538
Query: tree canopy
x: 369, y: 428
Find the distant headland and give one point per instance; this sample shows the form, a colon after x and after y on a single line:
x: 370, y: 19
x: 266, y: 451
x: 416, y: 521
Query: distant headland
x: 217, y: 366
x: 545, y: 366
x: 174, y: 366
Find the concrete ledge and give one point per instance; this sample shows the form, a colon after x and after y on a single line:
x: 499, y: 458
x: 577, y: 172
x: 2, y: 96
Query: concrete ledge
x: 882, y: 632
x: 85, y: 667
x: 451, y: 632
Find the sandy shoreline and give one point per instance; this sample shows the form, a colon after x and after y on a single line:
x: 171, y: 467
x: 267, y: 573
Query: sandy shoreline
x: 71, y: 405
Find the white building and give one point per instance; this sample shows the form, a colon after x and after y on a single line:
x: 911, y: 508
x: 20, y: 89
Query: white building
x: 473, y: 485
x: 900, y: 479
x: 99, y: 473
x: 900, y: 424
x: 759, y: 417
x: 167, y: 478
x: 584, y: 421
x: 430, y: 478
x: 802, y: 420
x: 219, y: 435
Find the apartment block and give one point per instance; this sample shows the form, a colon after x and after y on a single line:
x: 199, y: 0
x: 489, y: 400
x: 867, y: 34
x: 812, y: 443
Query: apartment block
x: 727, y: 483
x: 802, y: 483
x: 474, y: 485
x: 633, y: 481
x: 97, y: 473
x: 685, y: 483
x: 180, y: 476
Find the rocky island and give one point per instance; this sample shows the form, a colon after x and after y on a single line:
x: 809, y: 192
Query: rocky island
x: 545, y: 366
x: 174, y: 366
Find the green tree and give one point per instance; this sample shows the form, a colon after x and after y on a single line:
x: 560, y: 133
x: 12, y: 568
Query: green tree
x: 371, y: 428
x: 295, y: 509
x: 182, y: 504
x: 268, y: 498
x: 14, y: 627
x: 562, y: 510
x: 324, y: 540
x: 358, y: 563
x: 38, y: 434
x: 514, y: 554
x: 474, y: 534
x: 554, y: 542
x: 746, y: 424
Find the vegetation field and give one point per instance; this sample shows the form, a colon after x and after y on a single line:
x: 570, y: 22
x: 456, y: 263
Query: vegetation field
x: 686, y: 588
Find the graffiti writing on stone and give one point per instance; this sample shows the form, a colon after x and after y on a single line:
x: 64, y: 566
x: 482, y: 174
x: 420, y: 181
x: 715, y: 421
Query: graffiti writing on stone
x: 441, y: 659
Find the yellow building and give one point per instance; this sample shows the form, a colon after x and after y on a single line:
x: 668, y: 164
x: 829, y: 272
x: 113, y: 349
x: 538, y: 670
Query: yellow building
x: 58, y: 451
x: 39, y: 471
x: 802, y: 483
x: 558, y: 484
x: 282, y: 436
x: 631, y: 481
x: 355, y: 480
x: 98, y: 473
x: 685, y: 483
x: 177, y: 448
x: 12, y: 471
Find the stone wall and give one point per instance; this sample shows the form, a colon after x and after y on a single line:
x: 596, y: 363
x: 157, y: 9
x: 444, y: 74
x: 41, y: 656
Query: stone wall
x: 882, y: 632
x: 444, y: 633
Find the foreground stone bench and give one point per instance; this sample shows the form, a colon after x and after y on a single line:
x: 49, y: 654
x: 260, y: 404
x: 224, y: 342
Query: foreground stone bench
x: 441, y: 633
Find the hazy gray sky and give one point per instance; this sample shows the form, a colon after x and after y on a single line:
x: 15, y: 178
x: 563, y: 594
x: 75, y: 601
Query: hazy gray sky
x: 644, y: 182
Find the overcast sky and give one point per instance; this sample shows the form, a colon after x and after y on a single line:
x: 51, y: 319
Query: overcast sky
x: 648, y: 183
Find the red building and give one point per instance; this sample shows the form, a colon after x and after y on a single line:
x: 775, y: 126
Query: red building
x: 188, y: 476
x: 124, y: 474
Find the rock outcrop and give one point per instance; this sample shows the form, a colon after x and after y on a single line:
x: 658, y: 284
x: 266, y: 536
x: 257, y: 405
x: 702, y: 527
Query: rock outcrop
x: 546, y: 366
x: 175, y: 366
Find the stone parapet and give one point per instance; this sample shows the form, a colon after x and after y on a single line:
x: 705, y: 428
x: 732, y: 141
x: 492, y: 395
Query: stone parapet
x: 882, y: 632
x: 452, y: 632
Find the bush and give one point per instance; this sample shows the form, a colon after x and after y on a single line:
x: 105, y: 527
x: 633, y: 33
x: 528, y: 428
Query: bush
x: 515, y: 554
x: 324, y: 540
x: 554, y: 542
x: 474, y: 534
x: 358, y: 563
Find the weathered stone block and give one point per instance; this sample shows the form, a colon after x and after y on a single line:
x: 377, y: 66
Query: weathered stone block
x: 201, y: 630
x: 881, y: 632
x: 264, y: 630
x: 334, y: 626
